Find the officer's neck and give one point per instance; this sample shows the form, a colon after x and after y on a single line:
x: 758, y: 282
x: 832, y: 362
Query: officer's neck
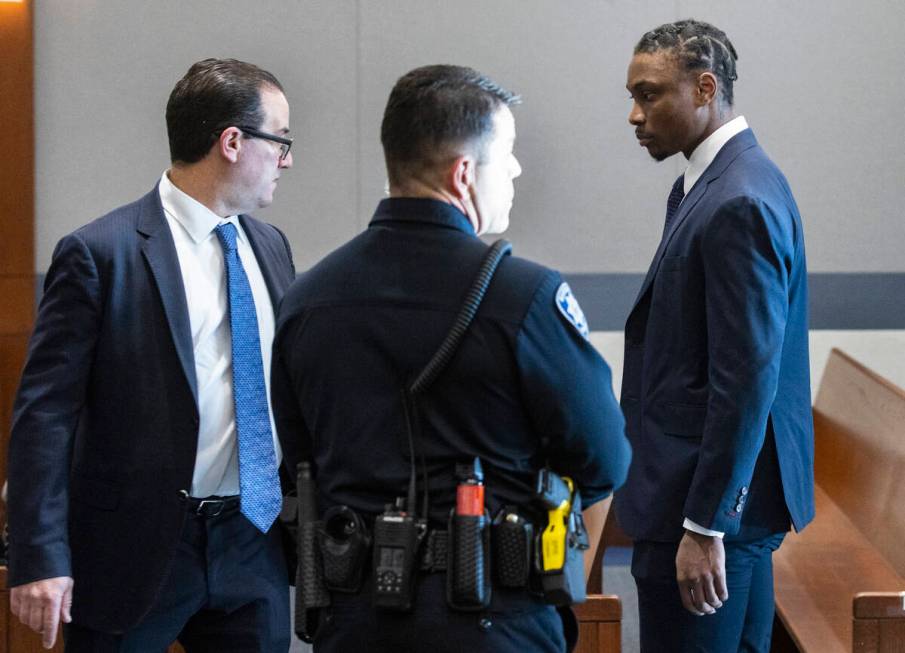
x: 427, y: 189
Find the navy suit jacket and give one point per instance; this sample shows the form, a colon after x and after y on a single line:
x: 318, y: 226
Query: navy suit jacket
x: 105, y: 424
x: 716, y: 389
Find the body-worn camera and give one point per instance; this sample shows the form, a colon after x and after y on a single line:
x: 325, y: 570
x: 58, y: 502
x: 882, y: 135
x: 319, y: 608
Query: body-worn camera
x: 345, y: 543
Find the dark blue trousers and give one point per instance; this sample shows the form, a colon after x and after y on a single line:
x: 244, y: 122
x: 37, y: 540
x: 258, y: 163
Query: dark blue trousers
x: 518, y: 625
x: 227, y: 591
x: 745, y: 621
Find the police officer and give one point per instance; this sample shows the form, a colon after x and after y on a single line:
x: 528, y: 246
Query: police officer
x: 525, y: 389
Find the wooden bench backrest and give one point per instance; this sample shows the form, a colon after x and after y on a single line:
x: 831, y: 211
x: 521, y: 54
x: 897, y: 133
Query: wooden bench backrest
x: 859, y: 421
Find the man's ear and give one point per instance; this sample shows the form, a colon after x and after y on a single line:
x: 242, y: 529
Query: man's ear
x: 707, y: 88
x: 460, y: 177
x: 230, y: 143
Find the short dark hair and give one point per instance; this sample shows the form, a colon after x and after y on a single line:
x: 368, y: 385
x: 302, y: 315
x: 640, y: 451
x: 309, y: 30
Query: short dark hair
x: 213, y: 95
x: 433, y: 109
x: 697, y: 46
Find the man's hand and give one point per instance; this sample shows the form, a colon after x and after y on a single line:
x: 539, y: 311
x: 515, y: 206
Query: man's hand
x: 701, y: 573
x: 40, y: 606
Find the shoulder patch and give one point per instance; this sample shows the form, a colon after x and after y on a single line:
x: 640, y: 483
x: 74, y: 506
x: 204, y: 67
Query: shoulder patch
x: 568, y: 306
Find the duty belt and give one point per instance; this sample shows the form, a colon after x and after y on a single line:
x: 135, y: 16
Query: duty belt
x: 433, y: 555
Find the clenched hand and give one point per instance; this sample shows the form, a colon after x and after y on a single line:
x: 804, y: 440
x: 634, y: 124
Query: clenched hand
x: 701, y: 573
x: 40, y: 606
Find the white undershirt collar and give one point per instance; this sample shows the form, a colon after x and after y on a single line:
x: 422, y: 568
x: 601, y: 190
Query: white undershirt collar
x: 706, y: 152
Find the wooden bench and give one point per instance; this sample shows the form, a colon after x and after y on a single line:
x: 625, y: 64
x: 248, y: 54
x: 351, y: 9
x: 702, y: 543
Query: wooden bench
x: 840, y: 584
x: 600, y: 617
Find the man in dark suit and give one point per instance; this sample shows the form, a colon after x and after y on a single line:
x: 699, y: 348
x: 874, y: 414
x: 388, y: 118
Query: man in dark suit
x: 143, y: 458
x: 715, y: 388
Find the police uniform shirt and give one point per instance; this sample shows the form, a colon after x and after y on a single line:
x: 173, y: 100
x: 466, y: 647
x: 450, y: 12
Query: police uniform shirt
x: 525, y: 387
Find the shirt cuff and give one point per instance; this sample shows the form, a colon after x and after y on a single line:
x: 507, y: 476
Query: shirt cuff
x: 697, y: 528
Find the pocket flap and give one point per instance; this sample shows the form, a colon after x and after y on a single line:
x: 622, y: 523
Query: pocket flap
x: 686, y: 420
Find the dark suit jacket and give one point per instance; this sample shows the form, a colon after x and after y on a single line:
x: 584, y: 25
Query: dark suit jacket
x: 716, y: 388
x: 105, y: 425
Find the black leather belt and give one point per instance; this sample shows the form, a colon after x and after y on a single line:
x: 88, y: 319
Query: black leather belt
x: 212, y: 506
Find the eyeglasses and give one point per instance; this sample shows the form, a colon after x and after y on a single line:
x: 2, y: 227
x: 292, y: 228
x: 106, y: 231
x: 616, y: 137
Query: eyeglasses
x: 285, y: 143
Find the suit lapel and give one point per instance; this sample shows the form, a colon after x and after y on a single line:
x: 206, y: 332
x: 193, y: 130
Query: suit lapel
x: 729, y: 152
x: 693, y: 197
x: 267, y: 259
x: 159, y: 251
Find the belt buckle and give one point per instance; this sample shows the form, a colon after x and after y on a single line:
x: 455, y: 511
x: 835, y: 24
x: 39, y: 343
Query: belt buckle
x: 215, y: 504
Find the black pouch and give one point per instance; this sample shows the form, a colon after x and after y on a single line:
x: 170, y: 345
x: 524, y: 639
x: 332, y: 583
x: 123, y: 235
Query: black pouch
x: 511, y: 538
x: 468, y: 562
x: 345, y: 545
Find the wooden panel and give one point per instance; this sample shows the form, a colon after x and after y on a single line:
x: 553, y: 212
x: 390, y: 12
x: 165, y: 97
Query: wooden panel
x: 599, y: 618
x: 17, y: 210
x: 613, y: 535
x: 892, y: 636
x: 587, y: 638
x: 866, y: 636
x: 593, y: 557
x: 859, y: 419
x: 879, y: 622
x: 4, y: 613
x: 818, y: 572
x: 599, y: 638
x: 12, y: 358
x: 17, y: 118
x: 599, y: 624
x: 17, y: 245
x: 18, y: 295
x: 880, y: 605
x: 609, y: 637
x: 599, y: 607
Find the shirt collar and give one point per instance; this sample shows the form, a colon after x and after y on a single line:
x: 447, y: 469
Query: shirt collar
x: 417, y: 209
x: 706, y: 152
x: 197, y: 220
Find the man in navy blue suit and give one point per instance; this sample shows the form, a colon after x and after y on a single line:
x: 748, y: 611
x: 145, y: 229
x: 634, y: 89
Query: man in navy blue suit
x: 136, y: 514
x: 716, y: 386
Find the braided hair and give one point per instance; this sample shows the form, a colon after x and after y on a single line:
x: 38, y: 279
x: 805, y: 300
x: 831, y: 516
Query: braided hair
x: 697, y: 46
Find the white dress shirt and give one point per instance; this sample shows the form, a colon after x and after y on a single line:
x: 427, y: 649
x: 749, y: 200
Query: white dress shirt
x: 706, y: 151
x: 700, y: 160
x: 204, y: 278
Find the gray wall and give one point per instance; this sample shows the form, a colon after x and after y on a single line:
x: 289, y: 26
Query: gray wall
x: 819, y: 83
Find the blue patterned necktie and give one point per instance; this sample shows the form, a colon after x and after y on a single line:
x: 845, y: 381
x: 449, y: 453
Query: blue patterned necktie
x: 259, y: 484
x: 672, y: 203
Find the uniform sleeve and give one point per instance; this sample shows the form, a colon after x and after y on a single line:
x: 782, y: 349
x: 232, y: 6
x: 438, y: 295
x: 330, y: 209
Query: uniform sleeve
x: 748, y: 250
x: 45, y: 416
x: 567, y: 388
